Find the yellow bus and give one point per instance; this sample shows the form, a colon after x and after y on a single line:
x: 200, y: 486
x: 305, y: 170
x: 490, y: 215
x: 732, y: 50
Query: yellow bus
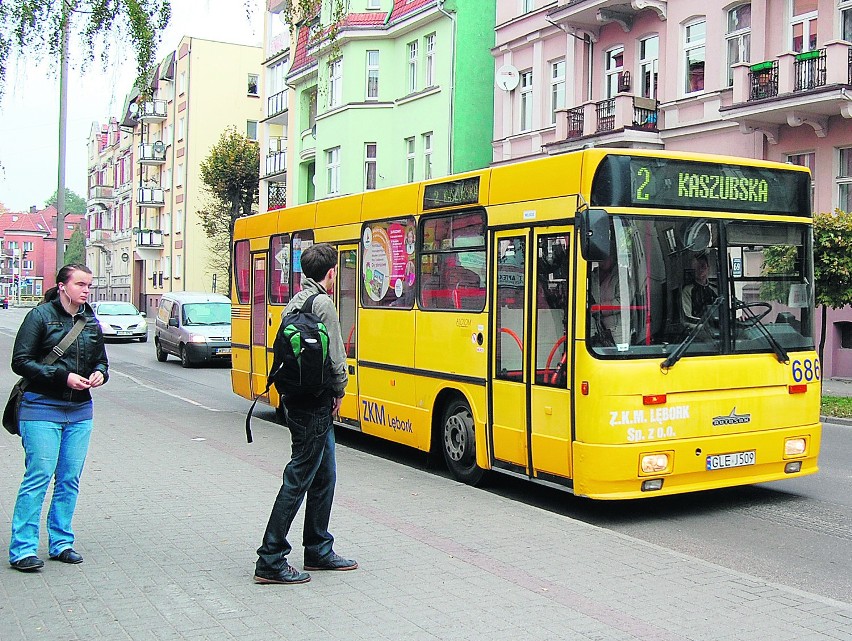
x: 618, y: 323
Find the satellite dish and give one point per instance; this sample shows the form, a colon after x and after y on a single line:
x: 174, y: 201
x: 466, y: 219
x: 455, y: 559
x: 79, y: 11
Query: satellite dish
x: 507, y: 77
x: 133, y: 109
x: 159, y: 147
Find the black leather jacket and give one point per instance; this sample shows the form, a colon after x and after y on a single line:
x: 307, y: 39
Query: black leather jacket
x: 42, y: 329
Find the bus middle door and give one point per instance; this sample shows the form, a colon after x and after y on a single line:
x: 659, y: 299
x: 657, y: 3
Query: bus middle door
x: 530, y: 395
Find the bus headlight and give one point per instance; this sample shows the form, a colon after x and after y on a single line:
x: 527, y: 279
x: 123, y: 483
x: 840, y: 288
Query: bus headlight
x: 795, y: 446
x: 654, y: 463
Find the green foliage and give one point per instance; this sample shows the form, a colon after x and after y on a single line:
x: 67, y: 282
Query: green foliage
x: 838, y: 406
x: 35, y: 27
x: 76, y: 250
x: 74, y: 204
x: 833, y: 258
x: 325, y: 16
x: 778, y: 260
x: 230, y: 173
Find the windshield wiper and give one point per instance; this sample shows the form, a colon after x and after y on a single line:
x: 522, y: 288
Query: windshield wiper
x: 780, y: 352
x: 680, y: 350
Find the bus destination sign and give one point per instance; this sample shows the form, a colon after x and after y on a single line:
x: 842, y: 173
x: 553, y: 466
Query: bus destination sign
x: 682, y: 184
x: 464, y: 191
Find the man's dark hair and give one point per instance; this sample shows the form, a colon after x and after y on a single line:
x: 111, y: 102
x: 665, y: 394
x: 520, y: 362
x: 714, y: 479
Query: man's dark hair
x: 317, y: 260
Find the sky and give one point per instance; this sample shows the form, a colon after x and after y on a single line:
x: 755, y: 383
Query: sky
x: 29, y: 109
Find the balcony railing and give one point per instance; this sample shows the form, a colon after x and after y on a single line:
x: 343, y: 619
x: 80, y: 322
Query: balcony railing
x: 575, y: 122
x: 100, y: 193
x: 150, y: 197
x: 605, y: 112
x: 153, y: 110
x: 100, y: 235
x: 763, y: 79
x: 149, y: 238
x: 277, y: 196
x: 645, y: 113
x: 276, y: 104
x: 809, y: 70
x: 152, y: 153
x: 276, y: 162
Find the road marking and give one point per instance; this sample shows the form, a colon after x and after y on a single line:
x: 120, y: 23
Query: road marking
x: 162, y: 391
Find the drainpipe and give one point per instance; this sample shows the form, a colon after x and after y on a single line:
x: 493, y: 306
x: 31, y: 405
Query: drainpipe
x: 452, y: 88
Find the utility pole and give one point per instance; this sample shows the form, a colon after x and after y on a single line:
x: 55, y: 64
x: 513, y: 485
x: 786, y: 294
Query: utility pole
x: 63, y: 125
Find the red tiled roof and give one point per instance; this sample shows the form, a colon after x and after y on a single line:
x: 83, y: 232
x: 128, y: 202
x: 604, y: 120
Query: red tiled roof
x: 301, y: 57
x: 402, y: 8
x: 363, y: 19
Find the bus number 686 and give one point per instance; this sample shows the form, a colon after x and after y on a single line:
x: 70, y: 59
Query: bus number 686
x: 807, y: 370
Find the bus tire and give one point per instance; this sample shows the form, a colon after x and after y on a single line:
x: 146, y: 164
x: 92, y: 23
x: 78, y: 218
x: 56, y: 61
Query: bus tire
x: 458, y: 442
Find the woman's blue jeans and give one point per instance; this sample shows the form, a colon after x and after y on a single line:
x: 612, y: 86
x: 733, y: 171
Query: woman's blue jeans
x: 312, y: 470
x: 53, y: 450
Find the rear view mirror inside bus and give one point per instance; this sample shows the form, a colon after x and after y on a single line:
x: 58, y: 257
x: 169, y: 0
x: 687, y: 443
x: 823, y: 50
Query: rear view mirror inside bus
x: 594, y: 232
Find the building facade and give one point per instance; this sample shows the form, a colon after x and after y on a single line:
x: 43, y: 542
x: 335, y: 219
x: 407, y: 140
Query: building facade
x: 152, y: 166
x: 769, y: 79
x: 400, y: 92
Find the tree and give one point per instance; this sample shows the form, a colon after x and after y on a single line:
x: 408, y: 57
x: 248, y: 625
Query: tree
x: 832, y: 263
x: 215, y: 221
x: 76, y: 250
x: 35, y: 27
x: 230, y: 173
x: 74, y: 204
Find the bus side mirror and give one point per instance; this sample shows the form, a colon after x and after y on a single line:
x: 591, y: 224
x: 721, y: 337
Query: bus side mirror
x: 593, y: 231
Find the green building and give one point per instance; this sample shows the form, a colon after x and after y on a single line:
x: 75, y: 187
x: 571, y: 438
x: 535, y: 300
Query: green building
x: 398, y: 91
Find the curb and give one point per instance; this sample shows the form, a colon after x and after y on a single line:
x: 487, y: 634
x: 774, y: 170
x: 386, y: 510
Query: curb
x: 836, y: 420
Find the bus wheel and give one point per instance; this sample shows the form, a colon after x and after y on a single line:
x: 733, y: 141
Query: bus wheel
x: 459, y: 442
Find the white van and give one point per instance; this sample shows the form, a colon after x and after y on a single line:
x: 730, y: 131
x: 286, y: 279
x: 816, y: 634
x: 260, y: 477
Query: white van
x: 194, y: 326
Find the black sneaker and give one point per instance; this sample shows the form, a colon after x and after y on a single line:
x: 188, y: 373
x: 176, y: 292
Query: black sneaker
x: 27, y: 564
x: 68, y: 555
x: 332, y: 562
x: 289, y: 575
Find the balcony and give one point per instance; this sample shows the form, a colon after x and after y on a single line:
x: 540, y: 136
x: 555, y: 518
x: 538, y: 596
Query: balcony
x: 152, y: 153
x: 150, y: 197
x: 277, y: 196
x: 793, y: 89
x: 276, y: 107
x: 149, y: 238
x: 589, y: 15
x: 623, y: 121
x: 100, y: 236
x: 152, y: 111
x: 101, y: 195
x: 276, y: 162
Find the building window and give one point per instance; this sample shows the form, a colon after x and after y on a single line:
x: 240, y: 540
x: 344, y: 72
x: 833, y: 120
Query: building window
x: 527, y: 6
x: 253, y: 79
x: 335, y: 82
x: 804, y: 25
x: 738, y: 38
x: 412, y: 67
x: 179, y: 221
x: 182, y: 82
x: 179, y: 176
x: 409, y: 159
x: 557, y: 88
x: 372, y: 75
x: 374, y: 4
x: 427, y: 155
x: 614, y: 70
x: 370, y: 167
x: 181, y: 128
x: 526, y: 101
x: 332, y: 164
x: 693, y: 51
x: 167, y: 223
x: 649, y: 60
x: 430, y: 60
x: 845, y: 20
x: 251, y: 129
x: 178, y: 265
x: 805, y: 160
x: 844, y: 181
x: 167, y: 267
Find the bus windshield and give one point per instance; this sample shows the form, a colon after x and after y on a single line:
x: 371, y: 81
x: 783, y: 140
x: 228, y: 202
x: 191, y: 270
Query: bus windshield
x: 706, y: 286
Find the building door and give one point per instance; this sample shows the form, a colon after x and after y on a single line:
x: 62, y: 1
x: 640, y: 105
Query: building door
x: 530, y: 390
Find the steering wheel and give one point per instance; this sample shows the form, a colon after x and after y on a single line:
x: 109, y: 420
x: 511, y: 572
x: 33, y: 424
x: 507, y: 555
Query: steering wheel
x: 754, y: 318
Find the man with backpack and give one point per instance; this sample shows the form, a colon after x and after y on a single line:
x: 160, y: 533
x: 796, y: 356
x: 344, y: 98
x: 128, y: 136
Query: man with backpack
x: 312, y: 469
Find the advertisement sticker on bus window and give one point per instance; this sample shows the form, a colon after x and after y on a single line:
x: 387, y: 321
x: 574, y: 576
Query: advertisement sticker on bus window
x: 388, y: 272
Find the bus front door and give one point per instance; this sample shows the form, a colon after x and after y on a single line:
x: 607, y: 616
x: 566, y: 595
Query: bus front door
x: 347, y: 301
x: 530, y: 394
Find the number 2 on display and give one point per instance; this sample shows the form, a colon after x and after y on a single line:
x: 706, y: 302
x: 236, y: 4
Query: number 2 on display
x: 807, y: 370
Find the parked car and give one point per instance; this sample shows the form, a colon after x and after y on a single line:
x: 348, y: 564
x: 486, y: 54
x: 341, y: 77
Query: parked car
x: 194, y: 326
x: 120, y: 320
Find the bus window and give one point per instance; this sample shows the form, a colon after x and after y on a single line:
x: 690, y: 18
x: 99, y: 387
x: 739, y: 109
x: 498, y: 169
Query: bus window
x: 301, y: 241
x: 511, y: 258
x: 242, y: 269
x: 387, y: 256
x: 552, y: 311
x: 279, y: 272
x: 452, y: 262
x: 347, y: 278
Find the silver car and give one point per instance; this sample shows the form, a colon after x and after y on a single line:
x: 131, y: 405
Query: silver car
x: 121, y: 320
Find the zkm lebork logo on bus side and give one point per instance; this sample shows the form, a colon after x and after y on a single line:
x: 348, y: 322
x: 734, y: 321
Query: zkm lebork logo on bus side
x: 375, y: 413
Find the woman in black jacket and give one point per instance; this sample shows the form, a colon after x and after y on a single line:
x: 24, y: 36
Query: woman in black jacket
x: 56, y: 415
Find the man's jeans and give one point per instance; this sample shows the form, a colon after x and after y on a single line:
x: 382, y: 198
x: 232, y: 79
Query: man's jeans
x: 312, y: 470
x: 51, y: 449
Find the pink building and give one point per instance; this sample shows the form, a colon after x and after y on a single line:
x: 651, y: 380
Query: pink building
x: 767, y: 79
